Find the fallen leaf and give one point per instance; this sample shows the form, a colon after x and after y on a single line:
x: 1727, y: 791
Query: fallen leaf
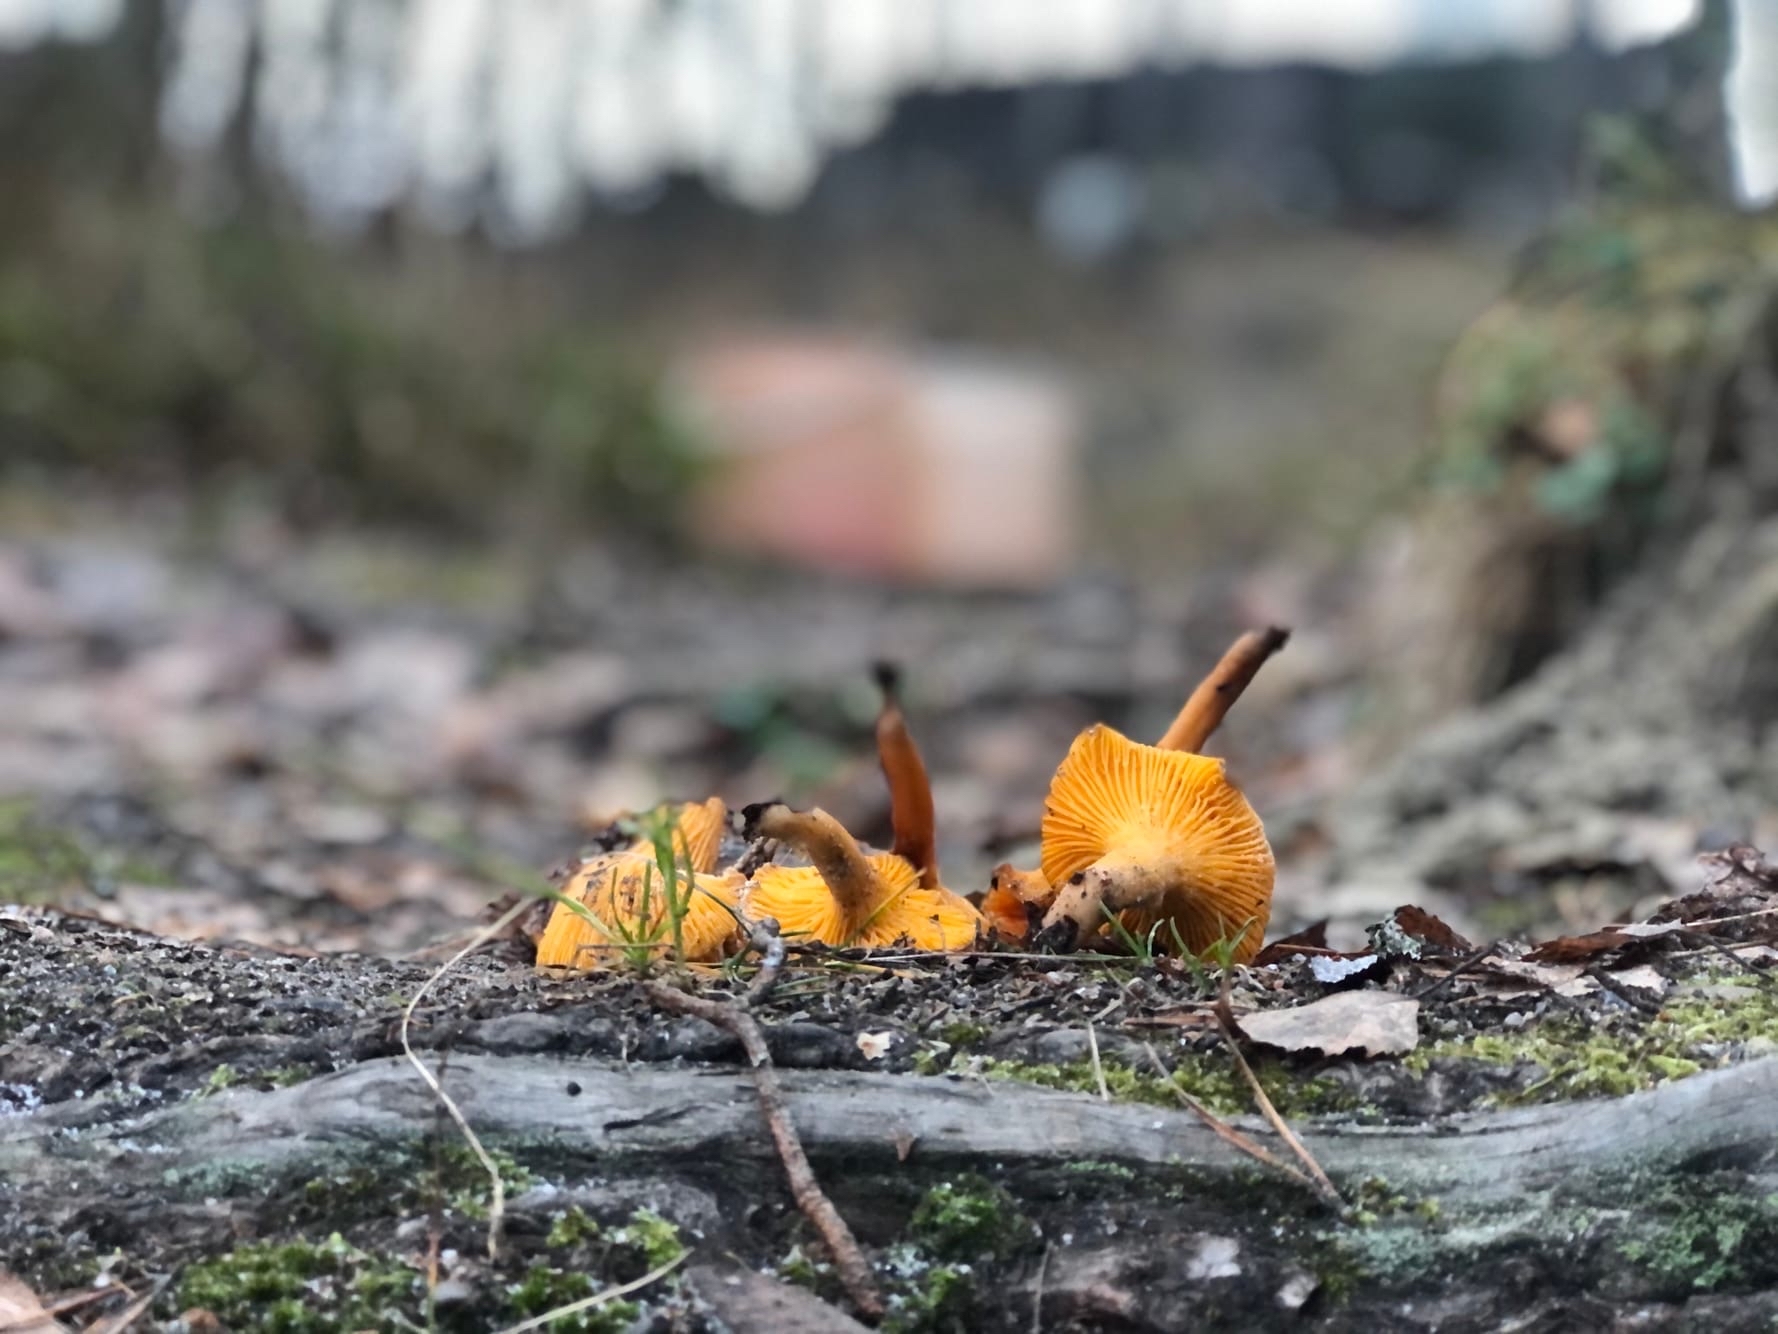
x: 1422, y: 926
x: 875, y: 1046
x: 1575, y: 949
x: 1644, y: 930
x: 21, y: 1311
x: 1642, y: 978
x: 1379, y: 1023
x: 1310, y: 938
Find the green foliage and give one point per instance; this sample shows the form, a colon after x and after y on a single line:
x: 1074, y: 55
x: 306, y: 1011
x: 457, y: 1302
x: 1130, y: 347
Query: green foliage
x: 42, y: 863
x: 1688, y: 1034
x: 927, y: 1297
x: 1688, y: 1236
x: 544, y: 1288
x: 654, y: 1236
x: 969, y: 1219
x: 1566, y: 396
x: 301, y: 1287
x: 430, y: 387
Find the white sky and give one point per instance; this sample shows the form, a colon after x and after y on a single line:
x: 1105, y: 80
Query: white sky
x: 754, y: 93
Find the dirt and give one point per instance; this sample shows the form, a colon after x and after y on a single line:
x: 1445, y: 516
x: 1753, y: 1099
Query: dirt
x: 100, y: 1026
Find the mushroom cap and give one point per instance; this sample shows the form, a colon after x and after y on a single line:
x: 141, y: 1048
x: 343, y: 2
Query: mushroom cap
x: 626, y: 897
x: 804, y: 906
x: 617, y: 888
x: 1117, y: 800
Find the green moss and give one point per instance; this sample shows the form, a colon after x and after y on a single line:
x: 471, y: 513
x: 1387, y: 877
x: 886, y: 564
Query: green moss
x: 1689, y: 1034
x: 464, y: 1180
x: 927, y: 1297
x: 222, y: 1077
x: 1687, y: 1236
x: 544, y: 1288
x: 38, y: 863
x: 654, y: 1236
x: 968, y: 1219
x: 962, y: 1034
x: 302, y: 1287
x: 1211, y: 1079
x: 805, y: 1270
x: 1094, y: 1168
x: 572, y: 1227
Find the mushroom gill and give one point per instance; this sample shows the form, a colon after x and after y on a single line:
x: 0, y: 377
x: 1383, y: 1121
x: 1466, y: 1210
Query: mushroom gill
x: 1160, y: 838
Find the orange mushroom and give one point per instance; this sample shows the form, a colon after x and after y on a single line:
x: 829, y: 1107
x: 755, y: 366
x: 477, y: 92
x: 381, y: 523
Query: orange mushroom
x: 625, y: 897
x: 1014, y: 895
x: 1160, y: 838
x: 847, y: 897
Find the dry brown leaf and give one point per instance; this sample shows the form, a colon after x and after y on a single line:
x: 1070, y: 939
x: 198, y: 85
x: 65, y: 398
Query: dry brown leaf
x: 1311, y: 939
x: 1379, y: 1023
x: 1429, y: 930
x: 1642, y: 978
x: 21, y: 1311
x: 1576, y: 949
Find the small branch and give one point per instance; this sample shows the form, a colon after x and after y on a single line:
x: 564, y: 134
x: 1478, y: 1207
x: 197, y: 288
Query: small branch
x: 1204, y: 710
x: 1323, y: 1186
x: 853, y: 1269
x: 1222, y: 1129
x: 1043, y: 1266
x: 1462, y: 966
x: 497, y: 1187
x: 1098, y: 1068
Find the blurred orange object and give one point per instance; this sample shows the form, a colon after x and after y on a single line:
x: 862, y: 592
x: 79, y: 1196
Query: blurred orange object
x: 844, y: 454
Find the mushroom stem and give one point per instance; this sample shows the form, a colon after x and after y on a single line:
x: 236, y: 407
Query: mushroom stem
x: 1112, y: 884
x: 1201, y: 713
x: 824, y: 841
x: 911, y: 811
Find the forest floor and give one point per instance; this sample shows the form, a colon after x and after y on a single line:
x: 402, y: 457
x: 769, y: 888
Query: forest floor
x: 252, y: 790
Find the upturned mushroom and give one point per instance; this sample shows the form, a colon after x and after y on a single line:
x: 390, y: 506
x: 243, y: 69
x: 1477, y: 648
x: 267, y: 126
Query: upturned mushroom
x: 848, y: 897
x: 625, y: 897
x: 1160, y: 838
x: 1017, y: 897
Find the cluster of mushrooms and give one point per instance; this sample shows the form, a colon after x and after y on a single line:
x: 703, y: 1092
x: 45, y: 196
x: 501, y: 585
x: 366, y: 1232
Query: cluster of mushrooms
x: 1156, y: 838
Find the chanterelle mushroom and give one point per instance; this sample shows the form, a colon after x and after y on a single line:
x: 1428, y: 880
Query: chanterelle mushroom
x: 1014, y: 897
x: 847, y: 897
x: 1157, y: 837
x: 626, y: 892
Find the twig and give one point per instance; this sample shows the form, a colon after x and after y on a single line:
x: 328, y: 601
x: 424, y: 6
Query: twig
x: 1225, y: 1018
x: 1646, y: 1004
x: 599, y: 1298
x: 1098, y: 1069
x: 1222, y: 1129
x: 497, y: 1187
x: 117, y: 1324
x: 1204, y: 710
x: 771, y: 947
x: 1467, y: 962
x: 1043, y: 1266
x: 849, y: 1262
